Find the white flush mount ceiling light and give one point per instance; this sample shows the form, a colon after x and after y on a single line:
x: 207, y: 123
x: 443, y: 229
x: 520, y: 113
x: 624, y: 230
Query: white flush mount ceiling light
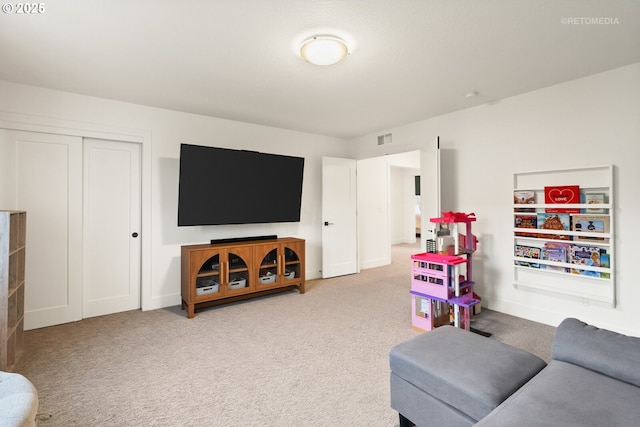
x: 324, y: 50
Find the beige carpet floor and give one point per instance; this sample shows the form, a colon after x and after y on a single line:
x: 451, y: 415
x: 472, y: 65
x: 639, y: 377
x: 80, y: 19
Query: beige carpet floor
x: 318, y: 359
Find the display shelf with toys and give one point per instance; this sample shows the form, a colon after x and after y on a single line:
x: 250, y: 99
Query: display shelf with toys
x: 441, y: 285
x: 574, y: 242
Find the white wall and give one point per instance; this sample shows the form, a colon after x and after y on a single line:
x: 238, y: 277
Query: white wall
x: 592, y: 121
x: 386, y: 199
x: 374, y: 245
x: 402, y: 208
x: 162, y: 131
x: 401, y: 212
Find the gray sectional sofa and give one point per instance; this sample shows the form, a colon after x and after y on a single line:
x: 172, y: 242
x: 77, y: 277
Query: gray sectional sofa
x: 451, y: 377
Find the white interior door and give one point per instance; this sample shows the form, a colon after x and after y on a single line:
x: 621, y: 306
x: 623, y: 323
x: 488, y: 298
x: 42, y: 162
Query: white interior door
x: 339, y: 230
x: 429, y: 189
x: 46, y: 182
x: 111, y: 262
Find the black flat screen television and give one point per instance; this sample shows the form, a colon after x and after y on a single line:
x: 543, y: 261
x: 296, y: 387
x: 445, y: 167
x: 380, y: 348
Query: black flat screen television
x: 224, y: 186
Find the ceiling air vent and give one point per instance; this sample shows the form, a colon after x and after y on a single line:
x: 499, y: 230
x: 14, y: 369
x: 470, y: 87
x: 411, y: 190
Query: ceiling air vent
x: 384, y: 139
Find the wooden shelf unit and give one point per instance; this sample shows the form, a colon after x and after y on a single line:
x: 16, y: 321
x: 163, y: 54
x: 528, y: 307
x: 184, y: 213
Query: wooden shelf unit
x: 12, y: 261
x: 214, y: 274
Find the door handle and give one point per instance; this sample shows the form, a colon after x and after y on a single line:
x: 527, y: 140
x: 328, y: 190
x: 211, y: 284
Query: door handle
x: 327, y: 223
x: 134, y: 235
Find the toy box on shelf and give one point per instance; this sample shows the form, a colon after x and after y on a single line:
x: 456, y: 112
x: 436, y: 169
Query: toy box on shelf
x: 442, y: 285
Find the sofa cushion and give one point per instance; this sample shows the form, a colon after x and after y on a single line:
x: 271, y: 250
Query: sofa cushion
x: 469, y: 372
x: 422, y: 408
x: 600, y: 350
x: 568, y: 395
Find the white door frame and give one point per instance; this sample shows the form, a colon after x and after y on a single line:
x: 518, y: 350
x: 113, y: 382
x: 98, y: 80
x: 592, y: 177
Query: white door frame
x: 23, y: 122
x: 429, y: 200
x: 430, y: 191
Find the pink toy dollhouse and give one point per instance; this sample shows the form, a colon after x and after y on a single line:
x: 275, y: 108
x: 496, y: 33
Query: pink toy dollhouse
x: 441, y: 283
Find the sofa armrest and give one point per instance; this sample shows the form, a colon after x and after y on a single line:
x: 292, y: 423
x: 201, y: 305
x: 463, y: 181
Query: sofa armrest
x: 599, y: 350
x: 18, y: 401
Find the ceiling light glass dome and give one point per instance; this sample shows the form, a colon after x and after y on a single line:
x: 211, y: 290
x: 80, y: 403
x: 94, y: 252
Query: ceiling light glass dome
x: 324, y: 50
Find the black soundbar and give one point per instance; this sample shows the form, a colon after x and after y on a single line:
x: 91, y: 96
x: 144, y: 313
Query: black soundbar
x: 243, y: 239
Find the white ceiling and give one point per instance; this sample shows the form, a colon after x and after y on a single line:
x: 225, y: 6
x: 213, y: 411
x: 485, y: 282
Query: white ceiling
x: 237, y: 59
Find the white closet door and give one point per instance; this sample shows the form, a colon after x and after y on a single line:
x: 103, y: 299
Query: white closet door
x: 46, y: 181
x: 111, y: 261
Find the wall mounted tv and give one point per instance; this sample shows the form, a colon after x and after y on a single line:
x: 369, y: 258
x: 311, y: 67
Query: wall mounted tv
x: 225, y: 186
